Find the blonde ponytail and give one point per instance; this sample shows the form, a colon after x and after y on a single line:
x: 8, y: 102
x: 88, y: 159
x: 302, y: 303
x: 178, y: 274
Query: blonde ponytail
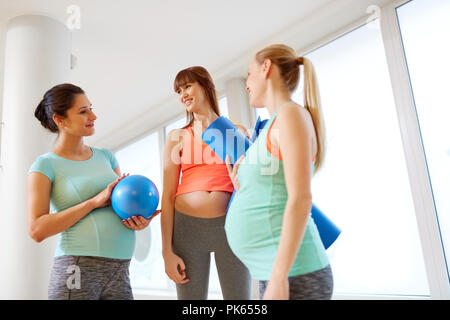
x: 312, y: 104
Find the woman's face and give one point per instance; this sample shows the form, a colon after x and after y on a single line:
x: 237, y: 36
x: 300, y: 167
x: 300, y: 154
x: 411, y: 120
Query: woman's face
x: 256, y: 84
x: 192, y: 96
x: 80, y: 118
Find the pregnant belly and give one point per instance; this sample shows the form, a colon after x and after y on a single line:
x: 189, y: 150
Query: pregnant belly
x: 203, y: 204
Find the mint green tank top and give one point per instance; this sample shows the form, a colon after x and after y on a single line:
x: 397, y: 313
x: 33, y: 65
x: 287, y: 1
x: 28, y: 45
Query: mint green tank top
x: 101, y: 232
x: 255, y: 216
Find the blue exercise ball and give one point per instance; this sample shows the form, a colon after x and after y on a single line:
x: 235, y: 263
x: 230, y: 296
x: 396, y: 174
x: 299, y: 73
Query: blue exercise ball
x: 135, y: 195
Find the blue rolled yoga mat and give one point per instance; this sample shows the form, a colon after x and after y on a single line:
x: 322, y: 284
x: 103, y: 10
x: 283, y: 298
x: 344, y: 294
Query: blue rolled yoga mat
x: 328, y: 231
x: 258, y: 127
x: 236, y: 145
x: 224, y: 138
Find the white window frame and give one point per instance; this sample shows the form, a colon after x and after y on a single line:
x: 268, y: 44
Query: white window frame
x: 427, y: 220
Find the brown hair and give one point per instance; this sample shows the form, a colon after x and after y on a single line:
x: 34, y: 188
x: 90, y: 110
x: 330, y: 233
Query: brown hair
x: 201, y: 76
x: 285, y: 58
x: 56, y: 100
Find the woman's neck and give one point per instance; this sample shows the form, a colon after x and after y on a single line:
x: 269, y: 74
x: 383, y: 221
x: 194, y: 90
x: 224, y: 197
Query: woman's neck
x: 204, y: 118
x: 276, y: 96
x: 69, y: 145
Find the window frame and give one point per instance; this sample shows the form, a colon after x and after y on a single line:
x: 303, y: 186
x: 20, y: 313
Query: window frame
x: 420, y: 182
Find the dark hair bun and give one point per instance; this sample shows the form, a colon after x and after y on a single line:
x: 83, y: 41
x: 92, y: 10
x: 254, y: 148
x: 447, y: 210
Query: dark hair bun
x: 57, y: 100
x: 45, y: 117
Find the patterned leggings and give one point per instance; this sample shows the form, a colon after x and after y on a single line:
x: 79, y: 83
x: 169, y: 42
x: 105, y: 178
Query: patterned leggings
x: 317, y: 285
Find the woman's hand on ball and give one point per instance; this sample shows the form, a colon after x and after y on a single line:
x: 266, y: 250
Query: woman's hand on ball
x: 136, y: 223
x: 103, y: 199
x: 139, y: 222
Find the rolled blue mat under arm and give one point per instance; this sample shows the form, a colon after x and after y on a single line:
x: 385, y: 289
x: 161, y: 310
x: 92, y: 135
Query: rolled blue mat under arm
x: 328, y: 231
x: 224, y: 138
x: 258, y: 127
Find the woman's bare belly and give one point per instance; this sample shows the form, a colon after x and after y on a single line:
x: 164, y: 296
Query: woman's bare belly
x: 203, y: 204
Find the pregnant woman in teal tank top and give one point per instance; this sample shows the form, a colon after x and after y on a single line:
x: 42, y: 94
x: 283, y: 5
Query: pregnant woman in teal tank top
x: 269, y: 225
x: 74, y: 182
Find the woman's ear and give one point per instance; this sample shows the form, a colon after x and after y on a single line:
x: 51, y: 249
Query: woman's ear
x: 267, y: 68
x: 59, y: 121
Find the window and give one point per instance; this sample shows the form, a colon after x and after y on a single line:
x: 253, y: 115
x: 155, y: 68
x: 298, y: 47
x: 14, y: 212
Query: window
x: 262, y: 113
x: 424, y: 27
x: 223, y: 106
x: 363, y: 186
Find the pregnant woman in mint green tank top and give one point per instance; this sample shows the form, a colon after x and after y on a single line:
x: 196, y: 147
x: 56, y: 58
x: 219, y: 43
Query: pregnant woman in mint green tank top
x: 74, y: 182
x: 269, y: 225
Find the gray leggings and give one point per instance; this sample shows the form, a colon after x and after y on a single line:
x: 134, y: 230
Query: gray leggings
x: 317, y: 285
x: 89, y: 278
x: 193, y: 241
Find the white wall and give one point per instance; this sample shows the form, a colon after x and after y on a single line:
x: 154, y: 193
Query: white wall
x: 2, y: 63
x: 37, y: 55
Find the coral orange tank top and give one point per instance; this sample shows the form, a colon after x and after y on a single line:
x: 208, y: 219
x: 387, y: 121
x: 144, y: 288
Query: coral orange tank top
x: 201, y: 167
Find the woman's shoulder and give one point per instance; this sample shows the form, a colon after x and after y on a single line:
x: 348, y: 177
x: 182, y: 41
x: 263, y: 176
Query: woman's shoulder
x: 45, y: 158
x: 47, y: 155
x: 108, y: 154
x: 100, y: 149
x: 293, y: 112
x: 176, y: 135
x: 292, y: 107
x: 44, y: 165
x: 177, y: 131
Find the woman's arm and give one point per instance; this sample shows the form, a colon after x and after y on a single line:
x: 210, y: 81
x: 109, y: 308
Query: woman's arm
x: 295, y: 141
x: 174, y: 265
x: 42, y: 224
x: 171, y: 178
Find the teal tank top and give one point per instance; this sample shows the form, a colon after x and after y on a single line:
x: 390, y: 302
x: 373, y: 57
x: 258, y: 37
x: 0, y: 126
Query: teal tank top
x: 101, y: 232
x: 254, y: 219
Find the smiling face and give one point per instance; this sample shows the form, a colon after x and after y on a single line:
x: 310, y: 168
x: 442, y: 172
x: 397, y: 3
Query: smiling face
x: 80, y: 118
x: 256, y: 83
x: 192, y: 96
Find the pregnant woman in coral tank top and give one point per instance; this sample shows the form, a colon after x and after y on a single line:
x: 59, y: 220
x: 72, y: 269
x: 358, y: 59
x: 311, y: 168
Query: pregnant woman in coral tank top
x: 194, y: 207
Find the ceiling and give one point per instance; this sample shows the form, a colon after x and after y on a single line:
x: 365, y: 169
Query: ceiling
x: 130, y: 51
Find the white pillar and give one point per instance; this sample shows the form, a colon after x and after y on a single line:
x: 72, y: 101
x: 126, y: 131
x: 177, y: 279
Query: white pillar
x: 239, y: 109
x: 2, y: 65
x: 37, y: 57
